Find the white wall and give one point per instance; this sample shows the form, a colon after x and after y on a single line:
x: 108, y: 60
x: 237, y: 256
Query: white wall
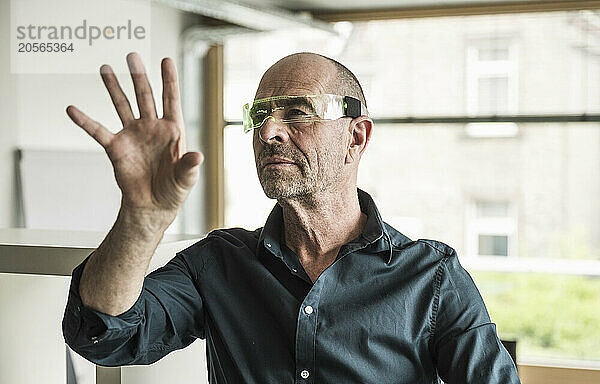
x: 32, y: 115
x: 8, y: 121
x: 32, y: 106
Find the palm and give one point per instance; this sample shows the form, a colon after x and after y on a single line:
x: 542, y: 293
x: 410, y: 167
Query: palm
x: 144, y: 155
x: 148, y: 155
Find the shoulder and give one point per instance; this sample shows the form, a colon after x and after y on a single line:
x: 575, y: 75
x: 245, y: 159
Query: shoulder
x: 441, y: 254
x: 422, y: 250
x: 235, y: 236
x: 218, y: 242
x: 399, y: 240
x: 449, y: 269
x: 455, y: 290
x: 438, y: 248
x: 223, y: 239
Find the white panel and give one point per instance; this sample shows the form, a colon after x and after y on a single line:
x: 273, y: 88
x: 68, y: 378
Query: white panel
x: 68, y: 190
x: 32, y: 348
x: 180, y: 367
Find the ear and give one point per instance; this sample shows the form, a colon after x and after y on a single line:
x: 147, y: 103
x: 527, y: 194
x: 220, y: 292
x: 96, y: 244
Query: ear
x: 360, y: 133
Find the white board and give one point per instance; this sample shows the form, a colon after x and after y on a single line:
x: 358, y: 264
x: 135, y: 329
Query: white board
x: 67, y: 189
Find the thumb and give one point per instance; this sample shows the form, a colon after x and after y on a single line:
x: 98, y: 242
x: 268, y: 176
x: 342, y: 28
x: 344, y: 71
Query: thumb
x: 186, y: 169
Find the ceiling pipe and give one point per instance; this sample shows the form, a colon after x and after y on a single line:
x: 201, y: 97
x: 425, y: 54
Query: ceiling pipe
x: 255, y: 18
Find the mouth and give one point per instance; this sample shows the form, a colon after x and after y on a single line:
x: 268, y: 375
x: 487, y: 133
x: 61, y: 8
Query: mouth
x: 277, y: 162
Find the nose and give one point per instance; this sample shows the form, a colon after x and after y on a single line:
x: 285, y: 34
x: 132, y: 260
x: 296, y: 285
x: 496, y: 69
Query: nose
x: 273, y: 131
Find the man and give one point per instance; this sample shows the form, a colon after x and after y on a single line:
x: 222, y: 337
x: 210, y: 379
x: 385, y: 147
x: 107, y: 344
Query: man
x: 325, y: 292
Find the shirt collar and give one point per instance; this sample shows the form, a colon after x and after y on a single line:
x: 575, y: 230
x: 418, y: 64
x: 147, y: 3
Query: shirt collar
x: 374, y: 235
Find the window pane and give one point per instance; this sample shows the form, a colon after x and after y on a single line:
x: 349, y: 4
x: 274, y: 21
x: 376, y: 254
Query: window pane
x: 493, y: 245
x: 419, y: 67
x: 551, y: 315
x: 528, y: 192
x: 246, y: 204
x: 493, y: 95
x: 430, y: 173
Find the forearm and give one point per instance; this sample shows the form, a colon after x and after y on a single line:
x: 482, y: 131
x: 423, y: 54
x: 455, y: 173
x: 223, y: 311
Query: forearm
x: 154, y: 173
x: 113, y: 276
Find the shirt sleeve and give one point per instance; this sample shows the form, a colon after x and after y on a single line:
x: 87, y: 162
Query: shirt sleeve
x: 168, y: 315
x: 465, y: 343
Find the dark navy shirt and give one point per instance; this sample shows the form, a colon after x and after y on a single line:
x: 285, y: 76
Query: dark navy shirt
x: 387, y: 310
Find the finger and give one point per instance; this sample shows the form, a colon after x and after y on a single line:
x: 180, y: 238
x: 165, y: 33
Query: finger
x: 117, y: 96
x: 170, y: 96
x: 172, y: 100
x: 143, y: 91
x: 102, y: 135
x: 186, y: 169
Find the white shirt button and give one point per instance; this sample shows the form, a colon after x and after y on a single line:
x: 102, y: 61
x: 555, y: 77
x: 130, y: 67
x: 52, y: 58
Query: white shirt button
x: 304, y: 374
x: 308, y: 309
x: 269, y: 245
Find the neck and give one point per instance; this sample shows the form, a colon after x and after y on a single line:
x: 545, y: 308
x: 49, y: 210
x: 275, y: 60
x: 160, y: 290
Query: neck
x: 317, y: 226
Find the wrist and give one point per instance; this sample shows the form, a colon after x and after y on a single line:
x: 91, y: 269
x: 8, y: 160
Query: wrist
x: 148, y: 222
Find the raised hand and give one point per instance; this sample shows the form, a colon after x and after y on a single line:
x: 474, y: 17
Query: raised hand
x: 150, y: 162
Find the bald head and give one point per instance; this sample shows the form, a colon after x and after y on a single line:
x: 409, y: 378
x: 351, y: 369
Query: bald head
x: 316, y: 160
x: 307, y: 73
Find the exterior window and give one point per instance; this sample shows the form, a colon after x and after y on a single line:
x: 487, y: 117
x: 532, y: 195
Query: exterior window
x: 495, y: 245
x: 492, y: 229
x: 519, y: 204
x: 492, y: 86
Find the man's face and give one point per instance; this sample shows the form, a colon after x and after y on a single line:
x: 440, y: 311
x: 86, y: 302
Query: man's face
x: 299, y: 160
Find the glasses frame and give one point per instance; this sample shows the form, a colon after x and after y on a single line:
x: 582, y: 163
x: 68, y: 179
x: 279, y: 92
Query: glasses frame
x: 351, y: 107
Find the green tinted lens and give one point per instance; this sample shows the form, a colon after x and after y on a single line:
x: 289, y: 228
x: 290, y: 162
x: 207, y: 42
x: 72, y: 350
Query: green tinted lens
x: 293, y: 110
x: 253, y: 116
x: 258, y: 114
x: 288, y: 110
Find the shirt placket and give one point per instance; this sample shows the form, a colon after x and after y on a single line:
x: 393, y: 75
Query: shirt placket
x: 306, y: 333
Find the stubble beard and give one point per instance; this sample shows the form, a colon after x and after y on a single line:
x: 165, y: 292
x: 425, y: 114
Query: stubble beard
x: 298, y: 181
x: 285, y: 183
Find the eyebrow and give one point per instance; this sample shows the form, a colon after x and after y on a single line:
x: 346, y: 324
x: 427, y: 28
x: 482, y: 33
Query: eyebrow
x: 296, y: 101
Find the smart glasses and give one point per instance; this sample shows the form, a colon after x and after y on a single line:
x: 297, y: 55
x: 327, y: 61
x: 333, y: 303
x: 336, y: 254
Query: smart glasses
x: 300, y: 110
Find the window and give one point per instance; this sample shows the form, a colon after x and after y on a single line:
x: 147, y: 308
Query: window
x: 494, y: 245
x: 492, y: 76
x: 492, y: 229
x: 492, y: 85
x: 523, y: 215
x: 247, y: 205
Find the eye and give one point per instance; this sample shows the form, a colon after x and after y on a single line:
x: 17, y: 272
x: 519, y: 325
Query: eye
x: 259, y: 114
x: 295, y: 113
